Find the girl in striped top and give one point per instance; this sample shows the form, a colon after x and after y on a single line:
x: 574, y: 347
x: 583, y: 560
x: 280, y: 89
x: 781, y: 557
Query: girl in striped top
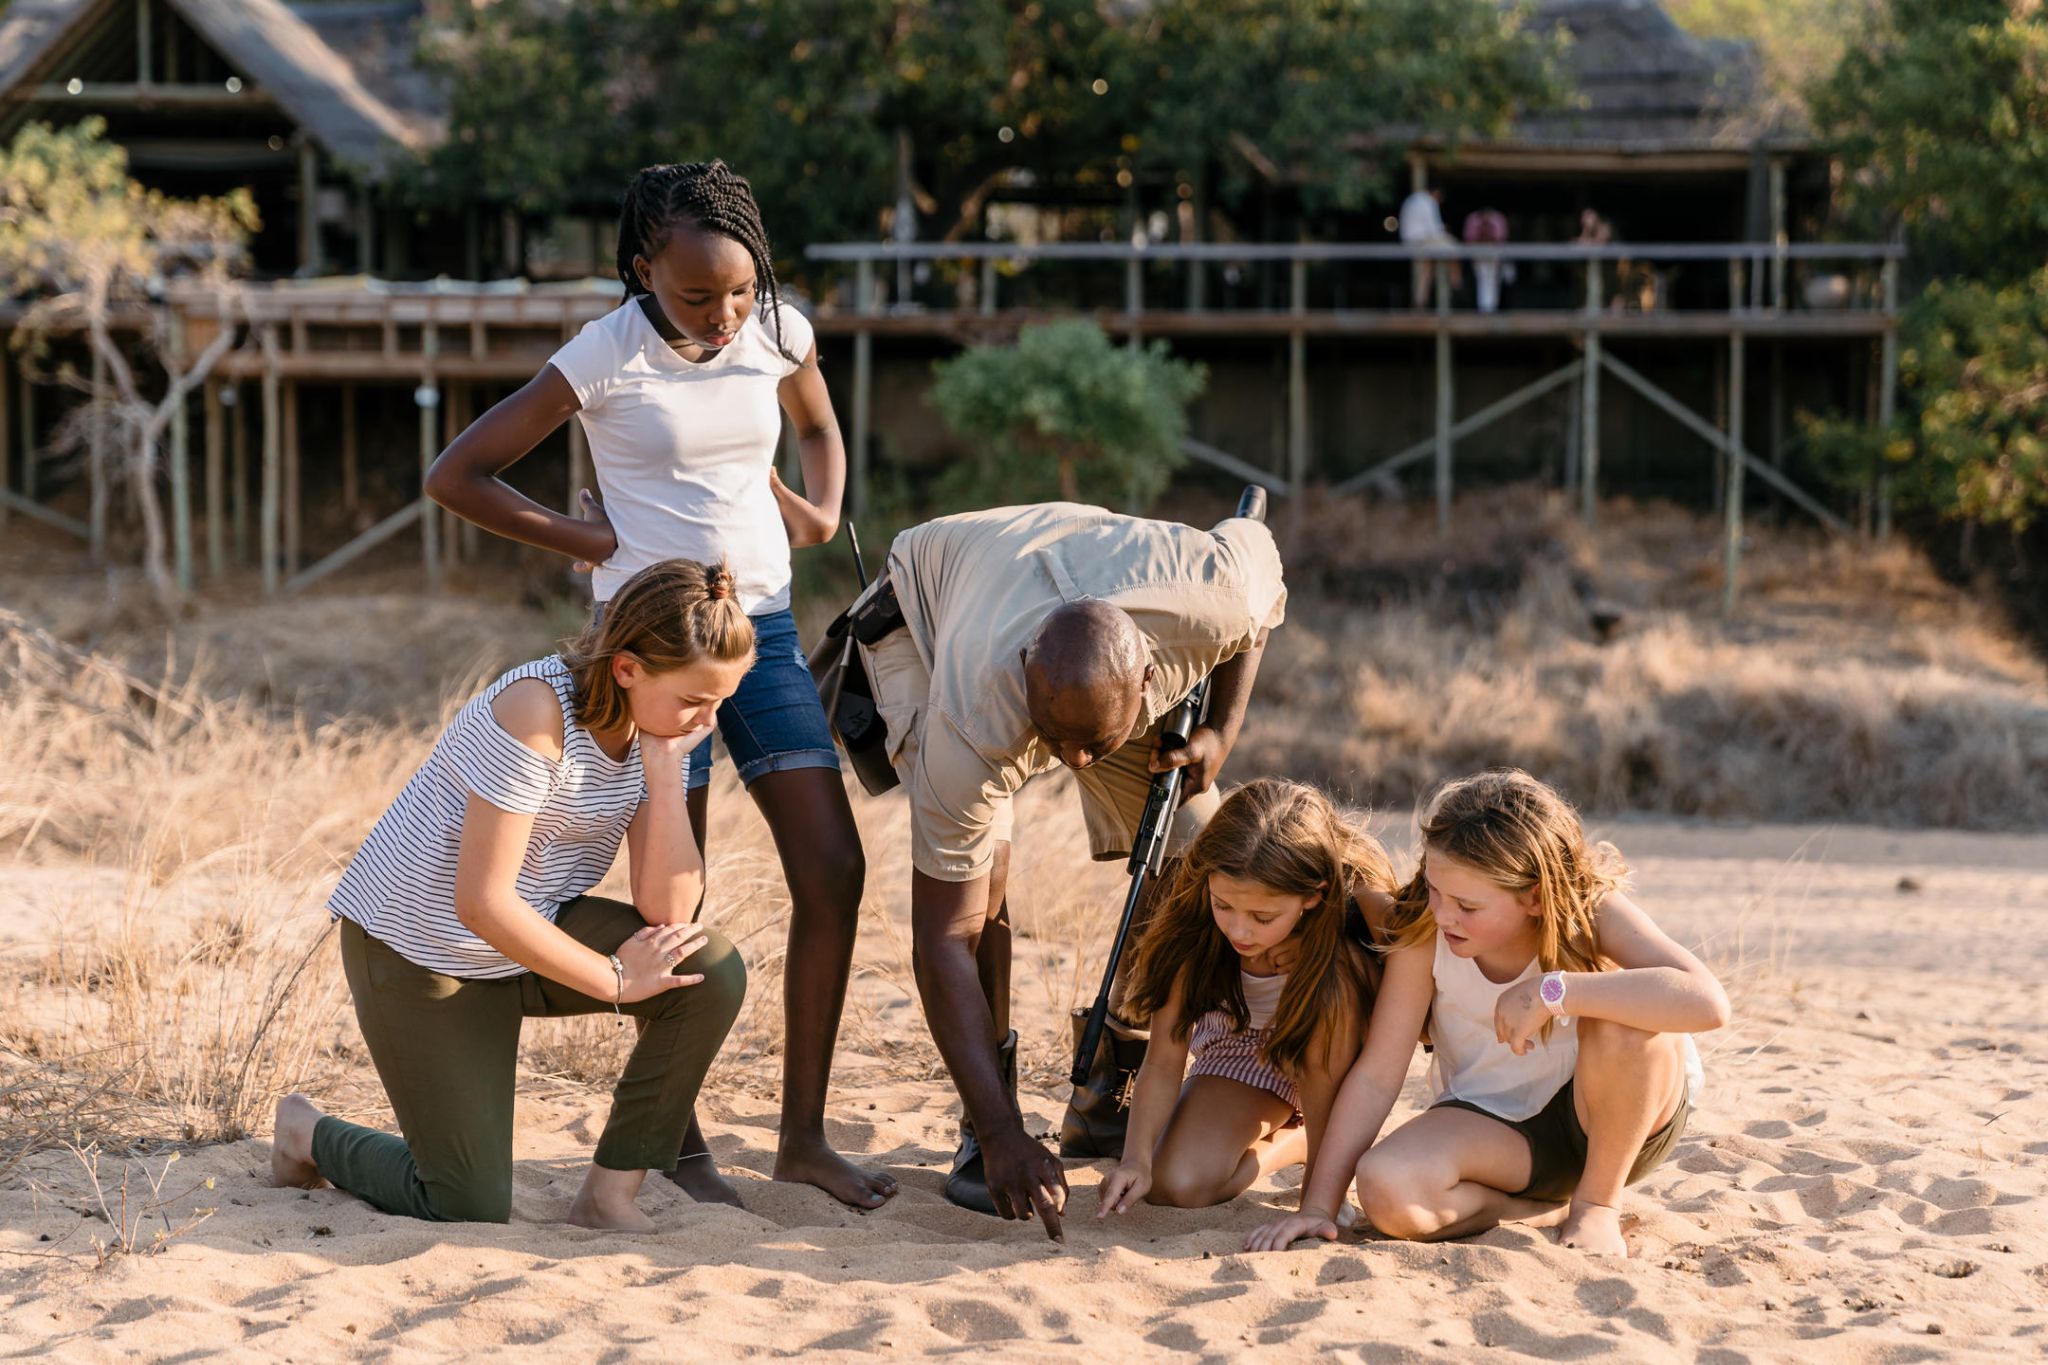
x: 1252, y: 964
x: 467, y: 910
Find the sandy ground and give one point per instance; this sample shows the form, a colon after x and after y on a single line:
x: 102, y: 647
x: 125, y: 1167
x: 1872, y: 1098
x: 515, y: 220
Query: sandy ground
x: 1866, y: 1179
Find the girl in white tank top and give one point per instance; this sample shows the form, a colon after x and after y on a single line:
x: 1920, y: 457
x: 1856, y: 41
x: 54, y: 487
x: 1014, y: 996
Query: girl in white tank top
x: 1559, y: 1018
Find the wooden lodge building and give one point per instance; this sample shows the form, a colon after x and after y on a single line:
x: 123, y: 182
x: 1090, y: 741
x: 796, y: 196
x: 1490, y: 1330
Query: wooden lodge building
x: 1712, y: 317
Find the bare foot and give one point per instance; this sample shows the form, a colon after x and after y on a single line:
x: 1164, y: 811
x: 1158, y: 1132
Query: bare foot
x: 1594, y: 1229
x: 291, y: 1145
x: 602, y: 1215
x: 605, y: 1203
x: 697, y: 1175
x: 809, y: 1161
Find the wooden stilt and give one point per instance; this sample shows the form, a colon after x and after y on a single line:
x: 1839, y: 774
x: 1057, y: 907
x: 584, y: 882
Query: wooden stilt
x: 216, y: 486
x: 351, y: 489
x: 863, y: 394
x: 428, y: 398
x: 28, y: 435
x: 238, y: 448
x: 96, y: 456
x: 181, y: 494
x: 1731, y: 562
x: 271, y: 480
x: 1887, y: 393
x: 6, y: 446
x: 1589, y: 431
x: 1720, y: 424
x: 1297, y: 383
x: 292, y: 490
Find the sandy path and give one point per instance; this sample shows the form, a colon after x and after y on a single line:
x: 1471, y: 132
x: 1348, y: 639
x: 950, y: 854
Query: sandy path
x: 1866, y: 1180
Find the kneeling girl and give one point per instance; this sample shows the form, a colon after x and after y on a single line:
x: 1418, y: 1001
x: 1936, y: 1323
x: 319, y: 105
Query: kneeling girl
x: 1248, y: 967
x: 1560, y: 1017
x: 466, y: 911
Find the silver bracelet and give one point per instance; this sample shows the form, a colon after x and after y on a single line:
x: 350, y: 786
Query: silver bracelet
x: 618, y: 987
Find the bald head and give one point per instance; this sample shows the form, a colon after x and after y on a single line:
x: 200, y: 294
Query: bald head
x: 1084, y: 680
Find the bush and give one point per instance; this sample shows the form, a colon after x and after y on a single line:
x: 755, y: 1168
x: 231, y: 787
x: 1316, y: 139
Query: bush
x: 1066, y: 413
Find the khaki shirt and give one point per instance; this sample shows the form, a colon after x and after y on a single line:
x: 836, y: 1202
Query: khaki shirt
x: 974, y: 589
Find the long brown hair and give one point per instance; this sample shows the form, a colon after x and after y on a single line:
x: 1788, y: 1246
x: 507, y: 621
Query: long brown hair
x: 1291, y: 839
x: 1522, y: 836
x: 667, y: 616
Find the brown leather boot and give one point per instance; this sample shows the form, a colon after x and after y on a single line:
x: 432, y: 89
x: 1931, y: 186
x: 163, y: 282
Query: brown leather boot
x: 967, y: 1186
x: 1101, y: 1107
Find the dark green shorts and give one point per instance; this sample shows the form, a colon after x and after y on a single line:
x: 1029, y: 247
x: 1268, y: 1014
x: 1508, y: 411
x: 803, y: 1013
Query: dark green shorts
x: 1557, y: 1143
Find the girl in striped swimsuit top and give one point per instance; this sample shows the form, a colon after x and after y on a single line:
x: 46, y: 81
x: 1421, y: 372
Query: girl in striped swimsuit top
x: 1255, y: 969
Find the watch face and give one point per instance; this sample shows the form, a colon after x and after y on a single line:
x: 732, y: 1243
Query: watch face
x: 1552, y: 990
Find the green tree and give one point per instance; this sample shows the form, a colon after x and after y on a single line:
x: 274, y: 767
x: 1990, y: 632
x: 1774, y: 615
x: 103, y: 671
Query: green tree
x: 1939, y: 110
x: 80, y: 238
x: 1067, y: 412
x: 1976, y: 360
x: 556, y: 105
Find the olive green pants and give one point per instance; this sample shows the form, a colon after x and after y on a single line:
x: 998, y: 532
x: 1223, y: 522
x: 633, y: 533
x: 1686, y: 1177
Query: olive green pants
x: 447, y: 1050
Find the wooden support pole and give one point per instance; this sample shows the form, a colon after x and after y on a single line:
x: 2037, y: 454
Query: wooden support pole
x: 351, y: 486
x: 6, y: 449
x: 465, y: 530
x: 271, y: 481
x: 1731, y: 559
x: 99, y: 475
x: 238, y: 451
x: 216, y: 485
x: 292, y: 487
x: 28, y: 435
x: 1297, y: 383
x: 1887, y: 393
x: 1720, y: 424
x: 1444, y: 399
x: 1589, y: 431
x: 181, y: 490
x: 1134, y: 297
x: 309, y: 208
x: 428, y: 398
x: 863, y: 392
x: 987, y: 301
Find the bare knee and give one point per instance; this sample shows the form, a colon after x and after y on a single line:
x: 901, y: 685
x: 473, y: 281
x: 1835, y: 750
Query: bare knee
x: 471, y: 1200
x: 1181, y: 1182
x: 1387, y: 1193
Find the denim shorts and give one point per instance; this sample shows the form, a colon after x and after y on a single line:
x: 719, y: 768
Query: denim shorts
x: 773, y: 723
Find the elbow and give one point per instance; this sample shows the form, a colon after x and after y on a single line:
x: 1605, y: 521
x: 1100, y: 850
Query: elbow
x: 443, y: 482
x: 1718, y: 1012
x: 472, y: 914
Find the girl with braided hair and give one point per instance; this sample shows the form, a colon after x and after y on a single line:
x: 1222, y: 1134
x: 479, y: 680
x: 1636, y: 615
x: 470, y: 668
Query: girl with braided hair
x: 681, y: 391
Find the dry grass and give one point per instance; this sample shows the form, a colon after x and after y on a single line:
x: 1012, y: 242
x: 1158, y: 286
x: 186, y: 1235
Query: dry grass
x: 172, y: 818
x: 1851, y: 685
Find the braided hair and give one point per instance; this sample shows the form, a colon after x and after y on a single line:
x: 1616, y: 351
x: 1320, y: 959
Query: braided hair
x: 709, y: 196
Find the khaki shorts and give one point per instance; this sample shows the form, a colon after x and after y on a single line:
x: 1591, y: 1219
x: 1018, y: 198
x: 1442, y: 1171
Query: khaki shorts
x: 1557, y: 1143
x: 1113, y: 790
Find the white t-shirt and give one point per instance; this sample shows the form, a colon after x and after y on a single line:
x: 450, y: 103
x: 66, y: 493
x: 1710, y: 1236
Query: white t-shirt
x: 682, y: 449
x: 1421, y: 219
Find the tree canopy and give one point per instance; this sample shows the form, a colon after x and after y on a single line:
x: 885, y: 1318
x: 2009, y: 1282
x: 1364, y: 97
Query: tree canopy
x: 555, y: 106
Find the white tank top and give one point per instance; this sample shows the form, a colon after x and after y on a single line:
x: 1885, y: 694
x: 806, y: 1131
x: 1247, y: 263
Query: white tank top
x: 1470, y: 1065
x: 1261, y: 998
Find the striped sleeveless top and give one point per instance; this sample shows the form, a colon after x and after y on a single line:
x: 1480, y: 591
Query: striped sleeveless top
x: 400, y: 887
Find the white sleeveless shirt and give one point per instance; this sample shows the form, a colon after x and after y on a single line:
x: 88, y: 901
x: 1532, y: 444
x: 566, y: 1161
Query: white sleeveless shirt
x: 1470, y: 1064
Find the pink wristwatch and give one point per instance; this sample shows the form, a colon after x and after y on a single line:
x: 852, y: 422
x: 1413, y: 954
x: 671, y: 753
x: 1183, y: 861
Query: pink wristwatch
x: 1550, y: 990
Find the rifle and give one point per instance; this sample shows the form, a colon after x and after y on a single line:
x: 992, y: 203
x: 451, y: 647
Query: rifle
x: 1148, y: 849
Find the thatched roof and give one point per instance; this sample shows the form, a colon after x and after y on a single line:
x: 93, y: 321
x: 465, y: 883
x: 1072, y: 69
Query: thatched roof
x: 268, y: 43
x: 1644, y: 81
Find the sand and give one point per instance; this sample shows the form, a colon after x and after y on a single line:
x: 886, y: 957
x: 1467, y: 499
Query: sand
x: 1866, y: 1179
